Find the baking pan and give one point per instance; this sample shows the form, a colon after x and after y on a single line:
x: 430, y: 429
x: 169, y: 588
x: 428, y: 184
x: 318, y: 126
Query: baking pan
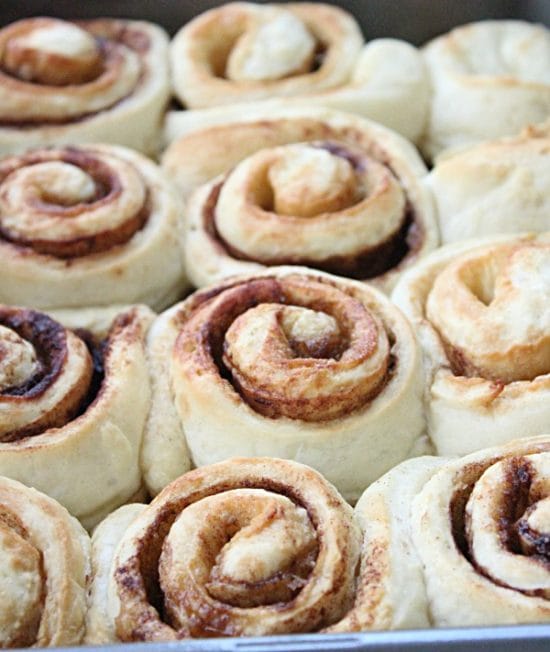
x: 415, y: 21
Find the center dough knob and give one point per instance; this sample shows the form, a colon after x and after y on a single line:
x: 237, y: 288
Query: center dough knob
x: 276, y: 45
x: 21, y: 594
x: 267, y: 545
x: 54, y: 182
x: 18, y: 361
x: 310, y: 334
x: 309, y: 181
x: 55, y: 53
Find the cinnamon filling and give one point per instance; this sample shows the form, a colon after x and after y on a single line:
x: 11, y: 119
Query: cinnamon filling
x: 107, y: 189
x: 58, y: 71
x: 211, y: 618
x: 49, y: 342
x: 85, y: 246
x: 391, y: 253
x: 48, y: 339
x: 317, y: 355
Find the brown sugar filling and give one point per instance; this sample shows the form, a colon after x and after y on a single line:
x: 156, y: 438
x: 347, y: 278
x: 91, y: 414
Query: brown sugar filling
x: 203, y: 337
x: 367, y: 264
x: 140, y: 578
x: 107, y: 188
x: 49, y: 341
x: 109, y: 34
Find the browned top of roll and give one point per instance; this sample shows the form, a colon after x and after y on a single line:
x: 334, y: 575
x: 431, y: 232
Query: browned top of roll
x: 243, y: 547
x: 54, y: 71
x: 294, y: 346
x: 48, y: 374
x: 71, y: 202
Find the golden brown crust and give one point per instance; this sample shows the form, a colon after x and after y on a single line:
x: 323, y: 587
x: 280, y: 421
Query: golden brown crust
x: 481, y: 311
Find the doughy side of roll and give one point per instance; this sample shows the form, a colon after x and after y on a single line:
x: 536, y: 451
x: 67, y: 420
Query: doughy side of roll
x: 482, y: 315
x: 73, y: 405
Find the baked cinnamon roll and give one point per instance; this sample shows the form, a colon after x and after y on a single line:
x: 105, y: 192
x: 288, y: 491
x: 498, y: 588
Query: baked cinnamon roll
x: 45, y: 565
x: 88, y: 225
x: 482, y: 314
x: 452, y: 543
x: 244, y: 53
x: 67, y: 82
x: 308, y: 187
x: 499, y: 186
x: 245, y: 547
x: 73, y: 405
x: 286, y: 363
x: 489, y: 79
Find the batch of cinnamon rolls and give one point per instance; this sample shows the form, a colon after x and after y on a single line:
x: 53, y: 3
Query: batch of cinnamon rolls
x: 274, y: 358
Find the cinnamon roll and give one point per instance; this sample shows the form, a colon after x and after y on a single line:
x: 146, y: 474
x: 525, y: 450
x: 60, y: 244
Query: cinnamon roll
x: 73, y: 404
x: 489, y: 79
x: 44, y: 564
x: 67, y: 82
x: 499, y: 186
x: 250, y: 546
x: 457, y: 542
x: 314, y: 53
x: 286, y: 363
x: 88, y: 225
x: 310, y: 187
x: 482, y: 314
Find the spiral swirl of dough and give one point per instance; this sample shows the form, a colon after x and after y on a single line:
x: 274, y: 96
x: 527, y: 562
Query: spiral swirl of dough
x: 63, y: 82
x: 87, y: 226
x: 456, y: 542
x: 45, y: 373
x: 498, y: 501
x: 316, y: 188
x: 250, y: 546
x: 289, y: 363
x: 483, y: 317
x: 45, y: 564
x: 246, y: 51
x: 70, y: 202
x: 71, y: 72
x: 242, y: 55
